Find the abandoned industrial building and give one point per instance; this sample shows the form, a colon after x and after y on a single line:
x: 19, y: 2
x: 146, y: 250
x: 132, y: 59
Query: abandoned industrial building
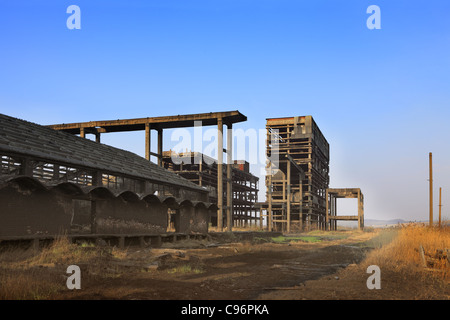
x: 297, y: 186
x: 54, y: 181
x: 202, y: 170
x: 224, y: 182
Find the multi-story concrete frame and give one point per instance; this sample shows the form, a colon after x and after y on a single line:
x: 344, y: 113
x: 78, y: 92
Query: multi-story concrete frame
x: 296, y: 184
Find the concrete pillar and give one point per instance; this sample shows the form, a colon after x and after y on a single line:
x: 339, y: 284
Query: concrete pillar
x: 360, y: 210
x: 229, y: 177
x: 288, y: 197
x: 269, y: 222
x: 335, y: 212
x: 300, y: 192
x: 220, y: 174
x: 160, y: 146
x: 327, y: 220
x: 147, y: 141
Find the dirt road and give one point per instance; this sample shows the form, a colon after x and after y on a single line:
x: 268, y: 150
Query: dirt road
x: 221, y: 270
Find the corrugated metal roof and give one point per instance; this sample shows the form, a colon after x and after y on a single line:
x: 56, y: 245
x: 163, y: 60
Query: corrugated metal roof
x: 27, y: 138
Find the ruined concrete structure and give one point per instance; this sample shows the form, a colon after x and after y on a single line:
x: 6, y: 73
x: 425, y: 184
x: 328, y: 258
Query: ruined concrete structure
x: 296, y: 184
x: 331, y: 206
x: 298, y: 196
x: 218, y: 119
x: 203, y: 171
x: 53, y: 182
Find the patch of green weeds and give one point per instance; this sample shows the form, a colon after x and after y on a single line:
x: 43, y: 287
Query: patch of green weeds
x: 186, y: 268
x: 284, y: 239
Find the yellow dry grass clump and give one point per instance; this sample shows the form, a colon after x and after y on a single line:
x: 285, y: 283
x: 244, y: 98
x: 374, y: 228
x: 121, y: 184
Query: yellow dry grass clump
x: 35, y: 275
x: 404, y: 252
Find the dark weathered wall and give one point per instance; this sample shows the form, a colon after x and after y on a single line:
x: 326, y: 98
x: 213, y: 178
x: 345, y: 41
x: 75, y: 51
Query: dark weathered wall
x: 120, y: 216
x: 31, y: 212
x: 201, y: 219
x: 28, y: 210
x: 81, y: 215
x: 186, y: 218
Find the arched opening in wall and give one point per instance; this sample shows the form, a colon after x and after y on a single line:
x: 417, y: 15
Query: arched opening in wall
x: 173, y: 214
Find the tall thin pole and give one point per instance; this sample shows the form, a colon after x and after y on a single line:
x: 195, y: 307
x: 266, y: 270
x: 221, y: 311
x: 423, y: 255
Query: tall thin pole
x: 327, y: 206
x: 160, y: 147
x: 147, y: 141
x: 431, y: 190
x: 229, y: 177
x: 220, y: 174
x: 288, y: 198
x: 269, y: 191
x: 440, y: 206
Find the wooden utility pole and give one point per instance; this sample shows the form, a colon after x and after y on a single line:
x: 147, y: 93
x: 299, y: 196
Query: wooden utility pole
x: 431, y: 190
x: 220, y: 174
x: 440, y: 206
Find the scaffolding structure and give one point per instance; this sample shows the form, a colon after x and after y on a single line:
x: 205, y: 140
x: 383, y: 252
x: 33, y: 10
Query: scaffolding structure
x: 297, y: 176
x: 203, y: 171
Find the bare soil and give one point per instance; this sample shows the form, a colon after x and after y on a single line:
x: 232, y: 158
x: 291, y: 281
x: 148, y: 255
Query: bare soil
x: 223, y: 269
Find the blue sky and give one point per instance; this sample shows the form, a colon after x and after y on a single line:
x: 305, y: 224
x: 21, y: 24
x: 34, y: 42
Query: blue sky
x: 381, y: 97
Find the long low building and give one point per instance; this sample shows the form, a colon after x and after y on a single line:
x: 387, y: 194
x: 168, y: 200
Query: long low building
x: 53, y: 182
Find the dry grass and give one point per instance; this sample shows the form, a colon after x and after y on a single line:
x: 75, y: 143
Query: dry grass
x: 31, y: 275
x: 31, y: 285
x: 62, y: 251
x: 402, y: 254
